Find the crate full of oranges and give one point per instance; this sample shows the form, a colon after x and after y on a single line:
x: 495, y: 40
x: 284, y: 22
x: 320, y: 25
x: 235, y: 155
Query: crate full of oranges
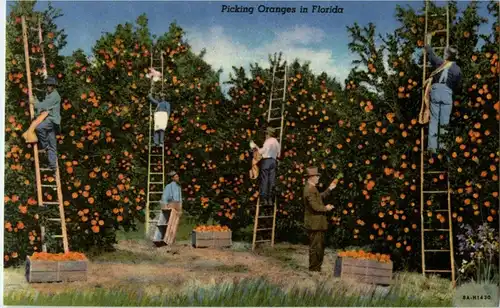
x: 56, y: 267
x: 211, y: 236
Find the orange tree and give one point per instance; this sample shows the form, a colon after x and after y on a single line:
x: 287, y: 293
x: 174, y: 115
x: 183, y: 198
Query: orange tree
x: 21, y: 213
x: 103, y: 145
x: 367, y: 134
x: 393, y: 86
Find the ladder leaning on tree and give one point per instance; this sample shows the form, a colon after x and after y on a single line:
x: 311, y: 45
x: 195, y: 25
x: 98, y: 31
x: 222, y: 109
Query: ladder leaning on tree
x: 274, y: 114
x: 156, y: 161
x: 433, y: 230
x: 39, y: 185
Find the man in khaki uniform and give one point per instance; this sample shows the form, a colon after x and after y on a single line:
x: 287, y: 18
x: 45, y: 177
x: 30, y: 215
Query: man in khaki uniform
x: 315, y: 220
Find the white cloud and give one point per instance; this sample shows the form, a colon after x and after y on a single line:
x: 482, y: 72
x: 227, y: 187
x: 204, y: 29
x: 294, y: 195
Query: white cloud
x: 301, y: 42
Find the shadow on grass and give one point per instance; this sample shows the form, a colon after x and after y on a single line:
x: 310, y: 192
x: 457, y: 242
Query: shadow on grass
x: 283, y: 254
x: 126, y: 257
x: 186, y: 226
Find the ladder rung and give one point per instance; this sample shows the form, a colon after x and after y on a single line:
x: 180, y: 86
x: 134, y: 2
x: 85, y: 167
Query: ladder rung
x: 274, y: 109
x: 54, y: 219
x: 437, y: 250
x: 277, y: 99
x: 262, y: 241
x: 438, y: 271
x: 264, y: 229
x: 45, y: 185
x: 439, y: 48
x: 435, y: 172
x: 266, y: 216
x: 156, y: 173
x: 58, y: 236
x: 154, y: 201
x: 431, y: 230
x: 46, y: 169
x: 51, y: 202
x: 274, y: 119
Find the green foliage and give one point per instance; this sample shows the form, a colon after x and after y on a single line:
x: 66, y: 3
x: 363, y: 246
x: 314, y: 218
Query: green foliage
x: 366, y: 131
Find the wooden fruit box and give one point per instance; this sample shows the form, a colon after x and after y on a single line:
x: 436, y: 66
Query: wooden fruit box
x: 367, y: 271
x: 56, y: 271
x: 212, y: 239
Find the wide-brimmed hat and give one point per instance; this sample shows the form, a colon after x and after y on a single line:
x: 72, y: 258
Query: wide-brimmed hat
x: 270, y: 131
x: 50, y: 81
x: 172, y: 173
x: 312, y: 171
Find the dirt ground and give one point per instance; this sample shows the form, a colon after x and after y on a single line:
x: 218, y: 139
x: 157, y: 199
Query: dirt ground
x: 182, y: 267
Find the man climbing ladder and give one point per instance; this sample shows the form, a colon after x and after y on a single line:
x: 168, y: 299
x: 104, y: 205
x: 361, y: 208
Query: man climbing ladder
x: 439, y: 89
x: 161, y: 230
x: 46, y: 125
x: 270, y: 151
x: 437, y: 103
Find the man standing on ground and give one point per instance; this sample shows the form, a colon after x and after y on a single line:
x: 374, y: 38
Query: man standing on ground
x: 270, y: 151
x: 315, y: 220
x: 439, y: 88
x: 46, y: 131
x: 172, y: 194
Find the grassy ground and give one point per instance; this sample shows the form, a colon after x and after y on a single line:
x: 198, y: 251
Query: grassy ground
x: 257, y: 292
x: 138, y: 274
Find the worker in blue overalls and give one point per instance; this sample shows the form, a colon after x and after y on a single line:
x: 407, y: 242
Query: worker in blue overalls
x: 443, y: 82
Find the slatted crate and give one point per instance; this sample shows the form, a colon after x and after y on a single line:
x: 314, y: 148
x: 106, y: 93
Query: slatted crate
x: 166, y: 227
x: 367, y: 271
x: 56, y: 271
x: 212, y: 239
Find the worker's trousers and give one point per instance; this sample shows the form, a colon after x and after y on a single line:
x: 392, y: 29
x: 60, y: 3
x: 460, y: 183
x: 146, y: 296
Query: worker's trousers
x: 46, y: 133
x: 267, y: 179
x: 441, y: 106
x: 316, y: 249
x: 159, y: 137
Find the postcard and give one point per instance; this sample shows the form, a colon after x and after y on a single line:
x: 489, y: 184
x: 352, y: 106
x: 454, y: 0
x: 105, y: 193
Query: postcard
x: 251, y: 153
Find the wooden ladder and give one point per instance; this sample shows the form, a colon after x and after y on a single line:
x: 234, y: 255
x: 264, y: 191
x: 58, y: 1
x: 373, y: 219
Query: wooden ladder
x: 274, y: 114
x: 424, y: 170
x: 156, y: 178
x: 44, y: 189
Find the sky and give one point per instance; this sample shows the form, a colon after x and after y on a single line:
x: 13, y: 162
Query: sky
x: 238, y: 39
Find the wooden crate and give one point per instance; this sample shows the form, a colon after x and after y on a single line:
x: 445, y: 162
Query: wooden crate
x: 212, y: 239
x: 56, y: 271
x: 166, y: 227
x: 367, y: 271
